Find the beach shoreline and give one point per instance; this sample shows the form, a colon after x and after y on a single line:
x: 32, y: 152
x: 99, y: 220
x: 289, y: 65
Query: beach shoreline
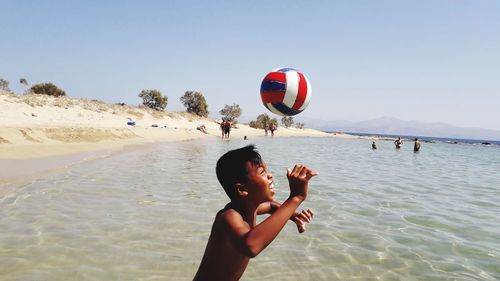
x: 41, y: 133
x: 39, y: 126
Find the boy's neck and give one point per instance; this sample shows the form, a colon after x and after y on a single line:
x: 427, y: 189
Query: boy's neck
x: 248, y: 211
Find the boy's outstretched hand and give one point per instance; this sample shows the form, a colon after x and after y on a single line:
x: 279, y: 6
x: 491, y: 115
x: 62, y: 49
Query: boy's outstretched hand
x: 299, y: 178
x: 300, y: 219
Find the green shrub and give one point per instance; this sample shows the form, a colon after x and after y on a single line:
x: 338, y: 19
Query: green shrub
x: 4, y: 85
x: 231, y: 113
x: 263, y: 120
x: 47, y: 89
x: 195, y: 103
x: 287, y: 121
x: 154, y: 99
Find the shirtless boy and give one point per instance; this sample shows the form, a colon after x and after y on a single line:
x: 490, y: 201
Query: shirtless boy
x: 235, y: 236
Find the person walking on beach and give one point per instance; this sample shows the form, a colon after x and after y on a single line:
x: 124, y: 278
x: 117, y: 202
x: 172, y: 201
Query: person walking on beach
x: 227, y: 128
x: 266, y: 128
x: 398, y: 143
x: 374, y: 145
x: 222, y: 127
x: 235, y: 236
x: 416, y: 147
x: 272, y: 128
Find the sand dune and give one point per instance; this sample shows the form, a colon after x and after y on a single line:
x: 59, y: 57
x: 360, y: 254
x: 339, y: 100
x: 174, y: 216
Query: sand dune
x: 39, y: 126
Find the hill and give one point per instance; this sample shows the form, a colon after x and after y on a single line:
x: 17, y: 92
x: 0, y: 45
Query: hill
x: 394, y: 126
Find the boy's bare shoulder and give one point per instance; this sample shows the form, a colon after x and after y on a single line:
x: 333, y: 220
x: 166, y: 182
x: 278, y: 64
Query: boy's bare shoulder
x: 231, y: 218
x: 228, y: 214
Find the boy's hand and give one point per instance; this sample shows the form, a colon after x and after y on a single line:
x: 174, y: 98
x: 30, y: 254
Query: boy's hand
x: 299, y: 179
x: 300, y: 219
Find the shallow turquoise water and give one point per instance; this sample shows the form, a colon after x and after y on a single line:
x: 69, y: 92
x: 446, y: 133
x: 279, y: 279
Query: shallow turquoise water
x: 146, y: 214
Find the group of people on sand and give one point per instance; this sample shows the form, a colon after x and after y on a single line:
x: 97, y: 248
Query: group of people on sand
x: 225, y: 127
x: 399, y: 142
x: 270, y: 127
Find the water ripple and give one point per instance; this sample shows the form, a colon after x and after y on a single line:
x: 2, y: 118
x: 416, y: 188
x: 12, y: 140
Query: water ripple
x: 146, y: 214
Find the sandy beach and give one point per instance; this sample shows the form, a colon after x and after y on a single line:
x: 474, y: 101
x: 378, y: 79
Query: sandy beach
x: 36, y: 128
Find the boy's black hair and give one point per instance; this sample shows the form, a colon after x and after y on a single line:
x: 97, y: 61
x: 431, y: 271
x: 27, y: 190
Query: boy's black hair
x: 231, y: 167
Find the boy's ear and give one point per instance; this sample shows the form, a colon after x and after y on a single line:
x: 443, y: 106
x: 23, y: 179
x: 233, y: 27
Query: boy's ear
x: 241, y: 189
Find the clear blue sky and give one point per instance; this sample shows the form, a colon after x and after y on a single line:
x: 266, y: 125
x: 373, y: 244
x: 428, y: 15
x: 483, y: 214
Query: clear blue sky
x: 435, y: 61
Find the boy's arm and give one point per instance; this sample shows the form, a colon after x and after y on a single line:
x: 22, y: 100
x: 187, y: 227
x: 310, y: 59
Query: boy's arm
x: 251, y: 241
x: 299, y: 218
x: 268, y: 207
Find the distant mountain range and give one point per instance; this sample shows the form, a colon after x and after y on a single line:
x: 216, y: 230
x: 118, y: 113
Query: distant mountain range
x: 394, y: 126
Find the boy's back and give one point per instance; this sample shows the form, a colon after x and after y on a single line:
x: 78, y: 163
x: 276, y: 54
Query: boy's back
x: 221, y: 261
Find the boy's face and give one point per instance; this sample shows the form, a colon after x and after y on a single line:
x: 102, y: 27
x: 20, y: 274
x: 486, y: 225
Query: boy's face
x: 260, y: 182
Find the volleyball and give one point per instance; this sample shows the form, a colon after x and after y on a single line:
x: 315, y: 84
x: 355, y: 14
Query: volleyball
x: 285, y: 91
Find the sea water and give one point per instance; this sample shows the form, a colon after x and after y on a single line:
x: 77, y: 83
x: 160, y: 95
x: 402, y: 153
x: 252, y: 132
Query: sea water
x: 146, y: 213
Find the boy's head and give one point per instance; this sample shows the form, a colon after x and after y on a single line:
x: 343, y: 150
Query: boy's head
x: 233, y: 168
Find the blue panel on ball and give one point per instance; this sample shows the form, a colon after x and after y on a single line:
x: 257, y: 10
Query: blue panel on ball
x: 286, y: 69
x: 272, y: 86
x: 283, y: 108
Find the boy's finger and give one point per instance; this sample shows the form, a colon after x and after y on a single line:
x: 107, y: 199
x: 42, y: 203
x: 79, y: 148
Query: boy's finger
x: 311, y: 174
x: 310, y: 212
x: 305, y: 217
x: 303, y: 172
x: 301, y: 228
x: 295, y: 169
x: 299, y: 168
x: 311, y: 171
x: 300, y: 217
x: 299, y: 221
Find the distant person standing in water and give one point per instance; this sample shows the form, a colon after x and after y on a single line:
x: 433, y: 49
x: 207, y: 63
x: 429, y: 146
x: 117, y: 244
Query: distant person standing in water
x: 374, y: 145
x: 416, y: 147
x: 398, y: 143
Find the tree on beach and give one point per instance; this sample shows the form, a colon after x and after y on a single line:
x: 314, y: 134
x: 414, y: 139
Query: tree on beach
x: 231, y: 112
x: 299, y: 125
x: 195, y: 103
x: 287, y: 121
x: 154, y: 99
x: 4, y: 85
x: 47, y: 89
x: 274, y: 121
x: 263, y: 120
